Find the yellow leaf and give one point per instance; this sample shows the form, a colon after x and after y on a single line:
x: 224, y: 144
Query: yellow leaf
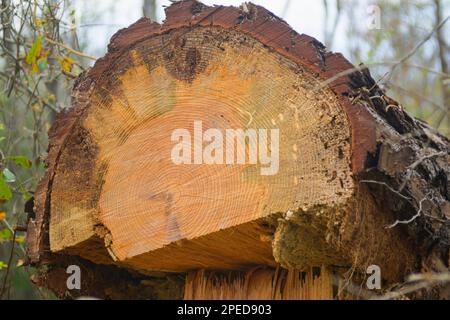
x: 38, y: 51
x: 51, y: 98
x: 20, y: 239
x: 20, y: 262
x: 2, y: 215
x: 38, y: 23
x: 69, y: 60
x: 36, y: 107
x: 66, y: 63
x: 34, y: 67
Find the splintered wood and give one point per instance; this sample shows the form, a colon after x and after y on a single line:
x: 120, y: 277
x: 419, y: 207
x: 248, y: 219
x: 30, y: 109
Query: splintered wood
x: 260, y: 284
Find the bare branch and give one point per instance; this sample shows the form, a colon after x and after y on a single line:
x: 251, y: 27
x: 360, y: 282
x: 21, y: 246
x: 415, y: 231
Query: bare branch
x: 387, y: 186
x: 78, y: 53
x: 419, y: 212
x: 414, y: 50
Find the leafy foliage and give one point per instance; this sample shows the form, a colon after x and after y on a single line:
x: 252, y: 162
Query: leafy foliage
x: 36, y: 71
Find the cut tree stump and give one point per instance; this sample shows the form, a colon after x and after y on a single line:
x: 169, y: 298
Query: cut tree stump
x: 145, y: 179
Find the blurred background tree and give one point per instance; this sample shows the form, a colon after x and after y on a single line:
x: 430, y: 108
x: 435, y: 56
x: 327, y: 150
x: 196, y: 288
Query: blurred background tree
x: 421, y: 83
x: 39, y: 58
x: 45, y: 44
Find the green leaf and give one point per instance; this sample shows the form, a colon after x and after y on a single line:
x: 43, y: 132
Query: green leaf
x: 3, y: 265
x: 42, y: 64
x: 24, y: 192
x: 21, y: 161
x: 34, y: 51
x: 8, y: 175
x: 5, y: 192
x: 5, y: 234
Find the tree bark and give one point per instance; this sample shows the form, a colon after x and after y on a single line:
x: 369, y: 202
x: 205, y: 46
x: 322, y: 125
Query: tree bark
x: 359, y: 181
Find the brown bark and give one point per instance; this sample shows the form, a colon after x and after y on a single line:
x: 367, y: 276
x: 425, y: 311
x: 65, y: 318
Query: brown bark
x: 365, y: 169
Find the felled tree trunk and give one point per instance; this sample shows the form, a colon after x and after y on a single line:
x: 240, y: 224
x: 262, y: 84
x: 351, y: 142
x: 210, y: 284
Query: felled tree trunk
x: 141, y: 184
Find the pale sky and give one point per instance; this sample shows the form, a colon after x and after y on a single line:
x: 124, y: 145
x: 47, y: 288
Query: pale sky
x: 102, y: 18
x: 98, y: 20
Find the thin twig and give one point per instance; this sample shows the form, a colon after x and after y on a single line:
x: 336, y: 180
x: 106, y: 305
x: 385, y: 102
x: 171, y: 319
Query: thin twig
x: 416, y: 282
x: 418, y: 95
x: 387, y: 186
x: 9, y: 266
x: 10, y: 228
x: 419, y: 212
x: 78, y: 53
x: 430, y: 277
x: 417, y: 47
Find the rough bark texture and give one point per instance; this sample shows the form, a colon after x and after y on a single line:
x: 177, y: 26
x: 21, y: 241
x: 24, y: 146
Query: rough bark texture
x: 397, y: 167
